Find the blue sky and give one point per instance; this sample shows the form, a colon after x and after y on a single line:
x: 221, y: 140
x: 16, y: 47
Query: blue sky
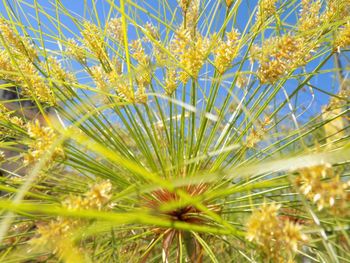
x: 83, y: 9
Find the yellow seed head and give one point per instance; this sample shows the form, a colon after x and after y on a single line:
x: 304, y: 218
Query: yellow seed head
x: 171, y: 81
x: 226, y: 51
x: 18, y: 44
x: 266, y: 9
x: 115, y: 30
x: 342, y: 39
x: 75, y: 51
x: 277, y: 239
x: 322, y: 186
x: 94, y: 41
x: 42, y: 139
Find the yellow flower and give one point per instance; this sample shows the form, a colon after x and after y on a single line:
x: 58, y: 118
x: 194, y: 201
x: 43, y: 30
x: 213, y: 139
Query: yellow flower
x: 17, y: 43
x: 266, y: 9
x: 75, y: 51
x: 43, y: 137
x: 342, y: 39
x: 321, y: 185
x: 226, y: 51
x: 191, y: 53
x: 94, y: 41
x: 277, y: 239
x: 115, y: 30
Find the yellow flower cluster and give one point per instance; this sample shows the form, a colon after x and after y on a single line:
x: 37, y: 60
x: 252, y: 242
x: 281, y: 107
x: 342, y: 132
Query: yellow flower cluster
x: 26, y: 76
x: 171, y: 80
x: 94, y: 41
x: 76, y: 51
x: 57, y: 233
x: 342, y: 39
x: 280, y: 55
x: 191, y: 53
x: 58, y: 73
x: 17, y: 44
x: 309, y: 16
x: 323, y: 186
x: 6, y: 117
x: 115, y: 29
x: 226, y: 51
x: 266, y: 9
x: 336, y: 10
x: 277, y: 239
x: 43, y: 137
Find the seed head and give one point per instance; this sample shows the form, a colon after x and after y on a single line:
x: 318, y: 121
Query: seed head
x: 266, y: 9
x: 322, y: 186
x: 75, y: 51
x: 17, y: 43
x: 115, y: 30
x: 42, y: 139
x: 226, y: 51
x: 277, y: 239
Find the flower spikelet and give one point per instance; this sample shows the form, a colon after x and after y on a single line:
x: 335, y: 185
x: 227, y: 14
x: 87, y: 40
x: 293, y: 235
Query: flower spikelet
x: 226, y: 51
x: 30, y: 81
x: 143, y: 71
x: 76, y: 51
x: 277, y: 239
x: 93, y: 40
x: 321, y: 185
x: 58, y: 73
x: 266, y: 9
x: 343, y: 37
x: 309, y: 16
x: 190, y: 52
x: 170, y: 80
x: 58, y: 232
x: 115, y: 29
x: 34, y: 85
x: 43, y: 137
x: 18, y: 44
x: 279, y: 55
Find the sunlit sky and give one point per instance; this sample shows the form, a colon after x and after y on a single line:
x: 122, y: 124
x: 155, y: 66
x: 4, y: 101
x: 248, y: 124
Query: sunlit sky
x: 83, y: 9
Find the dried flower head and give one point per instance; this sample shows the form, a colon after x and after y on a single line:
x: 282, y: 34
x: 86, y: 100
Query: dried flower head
x: 277, y: 239
x: 321, y: 185
x: 187, y: 213
x: 42, y: 139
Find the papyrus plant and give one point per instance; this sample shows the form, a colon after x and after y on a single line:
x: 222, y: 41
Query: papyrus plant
x: 175, y: 131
